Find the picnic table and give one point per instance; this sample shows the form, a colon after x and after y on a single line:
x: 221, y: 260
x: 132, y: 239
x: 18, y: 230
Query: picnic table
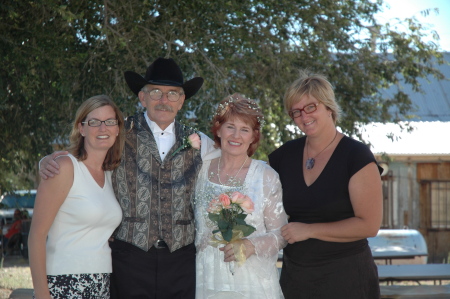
x: 404, y: 246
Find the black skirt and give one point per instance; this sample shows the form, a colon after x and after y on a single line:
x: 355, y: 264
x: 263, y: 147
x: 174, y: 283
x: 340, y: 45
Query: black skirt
x: 351, y: 277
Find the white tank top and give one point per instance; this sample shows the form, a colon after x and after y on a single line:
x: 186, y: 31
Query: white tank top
x: 78, y: 238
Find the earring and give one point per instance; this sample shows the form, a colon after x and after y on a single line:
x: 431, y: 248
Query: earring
x: 82, y: 135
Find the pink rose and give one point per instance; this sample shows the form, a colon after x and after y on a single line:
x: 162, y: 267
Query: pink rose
x: 248, y: 205
x: 244, y: 201
x: 224, y: 199
x: 237, y: 197
x: 194, y: 141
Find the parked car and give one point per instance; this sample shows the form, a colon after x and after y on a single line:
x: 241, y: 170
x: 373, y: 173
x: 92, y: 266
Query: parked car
x: 24, y: 201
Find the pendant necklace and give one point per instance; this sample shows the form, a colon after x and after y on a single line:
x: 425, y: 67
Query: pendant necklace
x: 311, y: 161
x: 231, y: 178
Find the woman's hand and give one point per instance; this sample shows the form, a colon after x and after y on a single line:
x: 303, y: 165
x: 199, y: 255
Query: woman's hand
x: 295, y: 232
x: 230, y: 249
x: 48, y: 167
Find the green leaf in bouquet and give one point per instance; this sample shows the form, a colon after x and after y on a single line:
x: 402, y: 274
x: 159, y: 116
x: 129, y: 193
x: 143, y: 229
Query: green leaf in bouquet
x: 227, y: 235
x: 222, y: 224
x: 240, y: 221
x: 246, y: 229
x: 214, y: 217
x: 241, y: 216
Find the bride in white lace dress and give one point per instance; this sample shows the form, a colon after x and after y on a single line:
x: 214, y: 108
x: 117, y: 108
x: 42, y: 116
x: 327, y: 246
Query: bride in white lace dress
x: 236, y: 129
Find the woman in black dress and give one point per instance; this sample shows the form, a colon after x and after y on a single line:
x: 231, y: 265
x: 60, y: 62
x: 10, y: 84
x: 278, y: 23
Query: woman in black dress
x: 332, y: 193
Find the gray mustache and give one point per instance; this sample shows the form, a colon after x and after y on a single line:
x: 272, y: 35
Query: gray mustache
x: 163, y: 107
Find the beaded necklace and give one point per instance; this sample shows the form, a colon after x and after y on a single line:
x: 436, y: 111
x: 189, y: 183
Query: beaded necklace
x: 231, y: 179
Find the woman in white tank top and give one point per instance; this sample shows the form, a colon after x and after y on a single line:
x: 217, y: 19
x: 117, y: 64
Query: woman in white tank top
x: 76, y: 211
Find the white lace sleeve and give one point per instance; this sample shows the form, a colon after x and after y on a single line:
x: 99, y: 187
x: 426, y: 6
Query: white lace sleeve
x: 268, y: 243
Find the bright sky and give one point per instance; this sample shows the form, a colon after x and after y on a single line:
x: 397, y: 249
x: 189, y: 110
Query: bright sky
x: 408, y: 8
x: 424, y: 139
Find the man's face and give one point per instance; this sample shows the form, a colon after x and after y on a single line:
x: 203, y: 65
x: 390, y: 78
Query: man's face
x: 162, y: 111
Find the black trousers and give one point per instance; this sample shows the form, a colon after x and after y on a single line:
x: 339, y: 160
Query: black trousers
x: 156, y: 274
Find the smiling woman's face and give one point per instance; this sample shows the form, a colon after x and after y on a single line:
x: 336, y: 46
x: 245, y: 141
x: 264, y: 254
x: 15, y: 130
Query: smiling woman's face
x: 235, y: 137
x: 102, y: 137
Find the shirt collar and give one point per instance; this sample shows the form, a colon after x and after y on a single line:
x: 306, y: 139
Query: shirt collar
x: 156, y: 129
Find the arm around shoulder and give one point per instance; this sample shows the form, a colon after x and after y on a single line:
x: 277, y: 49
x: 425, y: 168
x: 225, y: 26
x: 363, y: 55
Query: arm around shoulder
x: 208, y: 151
x: 48, y: 167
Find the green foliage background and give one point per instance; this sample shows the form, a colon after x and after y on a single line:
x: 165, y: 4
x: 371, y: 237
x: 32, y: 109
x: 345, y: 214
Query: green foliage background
x: 56, y: 54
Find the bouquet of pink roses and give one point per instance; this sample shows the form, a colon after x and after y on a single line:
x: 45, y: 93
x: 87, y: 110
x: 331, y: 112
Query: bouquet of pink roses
x: 229, y: 213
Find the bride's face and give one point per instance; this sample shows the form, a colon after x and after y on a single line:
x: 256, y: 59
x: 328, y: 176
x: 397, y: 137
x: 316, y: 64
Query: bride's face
x: 235, y: 137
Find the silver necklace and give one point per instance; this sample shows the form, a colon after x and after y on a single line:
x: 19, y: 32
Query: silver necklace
x: 311, y: 161
x: 231, y: 178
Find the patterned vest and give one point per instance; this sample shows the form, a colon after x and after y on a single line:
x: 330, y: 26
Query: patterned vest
x: 156, y: 196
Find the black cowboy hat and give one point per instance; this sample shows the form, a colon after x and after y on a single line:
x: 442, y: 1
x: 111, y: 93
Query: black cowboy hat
x: 163, y: 72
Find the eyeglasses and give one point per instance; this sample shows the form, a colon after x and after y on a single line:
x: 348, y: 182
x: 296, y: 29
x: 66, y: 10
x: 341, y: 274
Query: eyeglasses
x: 307, y: 109
x: 98, y: 123
x: 156, y: 95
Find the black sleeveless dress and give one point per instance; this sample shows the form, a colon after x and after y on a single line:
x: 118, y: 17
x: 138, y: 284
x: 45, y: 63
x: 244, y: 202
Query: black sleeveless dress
x: 314, y: 268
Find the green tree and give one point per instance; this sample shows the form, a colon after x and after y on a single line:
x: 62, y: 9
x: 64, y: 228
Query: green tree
x: 56, y: 54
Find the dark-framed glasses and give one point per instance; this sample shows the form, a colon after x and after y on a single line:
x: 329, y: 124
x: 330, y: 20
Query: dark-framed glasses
x: 98, y: 123
x: 157, y: 94
x: 294, y: 113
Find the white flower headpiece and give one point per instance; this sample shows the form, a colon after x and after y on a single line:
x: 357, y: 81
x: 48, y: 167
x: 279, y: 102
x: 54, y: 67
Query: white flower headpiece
x: 223, y: 107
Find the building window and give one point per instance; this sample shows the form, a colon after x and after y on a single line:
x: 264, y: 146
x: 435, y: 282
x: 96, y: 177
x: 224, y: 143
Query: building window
x: 440, y: 204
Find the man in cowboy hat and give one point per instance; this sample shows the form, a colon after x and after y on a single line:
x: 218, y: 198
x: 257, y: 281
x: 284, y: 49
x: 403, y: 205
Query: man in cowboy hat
x: 153, y: 250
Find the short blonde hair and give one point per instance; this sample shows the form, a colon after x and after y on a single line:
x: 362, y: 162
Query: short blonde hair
x: 76, y: 147
x: 315, y: 85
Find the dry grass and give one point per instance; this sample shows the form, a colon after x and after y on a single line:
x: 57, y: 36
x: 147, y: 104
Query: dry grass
x: 15, y: 274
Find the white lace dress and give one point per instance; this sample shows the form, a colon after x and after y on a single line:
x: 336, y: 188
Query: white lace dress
x: 258, y: 277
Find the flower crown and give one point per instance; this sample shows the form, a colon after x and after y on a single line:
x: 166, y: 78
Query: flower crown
x: 223, y: 107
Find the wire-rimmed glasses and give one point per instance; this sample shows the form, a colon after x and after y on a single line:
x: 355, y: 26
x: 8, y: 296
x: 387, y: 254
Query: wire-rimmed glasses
x: 157, y: 94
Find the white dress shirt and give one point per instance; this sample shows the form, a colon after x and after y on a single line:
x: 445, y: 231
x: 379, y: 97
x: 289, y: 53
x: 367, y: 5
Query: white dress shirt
x: 165, y: 139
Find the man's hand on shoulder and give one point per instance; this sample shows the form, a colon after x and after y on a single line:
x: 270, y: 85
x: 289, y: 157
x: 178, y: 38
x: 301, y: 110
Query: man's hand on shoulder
x: 48, y: 167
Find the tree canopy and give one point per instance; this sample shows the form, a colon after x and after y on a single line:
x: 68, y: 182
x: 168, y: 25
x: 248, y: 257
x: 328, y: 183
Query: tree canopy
x: 56, y: 54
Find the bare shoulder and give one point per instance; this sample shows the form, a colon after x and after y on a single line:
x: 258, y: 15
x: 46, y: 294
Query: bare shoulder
x: 66, y: 169
x: 65, y: 163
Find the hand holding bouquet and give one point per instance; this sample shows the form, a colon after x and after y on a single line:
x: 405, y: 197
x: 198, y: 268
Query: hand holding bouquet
x: 229, y: 213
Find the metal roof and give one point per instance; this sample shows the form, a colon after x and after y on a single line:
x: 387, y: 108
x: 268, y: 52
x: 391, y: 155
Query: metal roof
x: 431, y: 121
x: 434, y: 103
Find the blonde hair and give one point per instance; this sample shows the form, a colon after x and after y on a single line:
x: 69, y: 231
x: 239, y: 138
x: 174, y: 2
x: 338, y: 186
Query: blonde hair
x: 314, y: 85
x: 76, y: 147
